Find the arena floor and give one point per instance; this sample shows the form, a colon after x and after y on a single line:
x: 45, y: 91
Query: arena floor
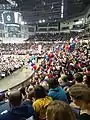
x: 16, y: 78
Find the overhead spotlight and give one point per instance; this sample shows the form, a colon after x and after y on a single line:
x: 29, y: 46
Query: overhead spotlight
x: 22, y: 22
x: 52, y: 7
x: 82, y: 19
x: 44, y: 3
x: 25, y: 23
x: 16, y: 5
x: 40, y: 21
x: 50, y: 17
x: 61, y: 15
x: 43, y: 20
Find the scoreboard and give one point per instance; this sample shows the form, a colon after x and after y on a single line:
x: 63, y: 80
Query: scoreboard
x: 8, y: 17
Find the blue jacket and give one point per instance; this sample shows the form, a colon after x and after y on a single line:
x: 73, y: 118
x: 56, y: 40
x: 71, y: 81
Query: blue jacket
x: 58, y: 94
x: 18, y: 113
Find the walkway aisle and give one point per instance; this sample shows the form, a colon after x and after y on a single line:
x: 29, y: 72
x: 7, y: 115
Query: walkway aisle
x: 16, y: 78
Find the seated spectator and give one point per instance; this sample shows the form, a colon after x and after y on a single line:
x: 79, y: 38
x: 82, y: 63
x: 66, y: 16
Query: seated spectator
x: 80, y: 95
x: 59, y: 110
x: 41, y: 102
x: 17, y: 111
x: 56, y: 92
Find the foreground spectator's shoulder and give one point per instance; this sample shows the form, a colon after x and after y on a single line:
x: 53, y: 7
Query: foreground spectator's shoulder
x: 50, y: 93
x: 31, y: 118
x: 36, y: 105
x: 84, y: 117
x: 4, y: 115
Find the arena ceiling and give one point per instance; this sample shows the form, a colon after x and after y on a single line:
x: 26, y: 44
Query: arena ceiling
x: 48, y: 10
x: 32, y: 4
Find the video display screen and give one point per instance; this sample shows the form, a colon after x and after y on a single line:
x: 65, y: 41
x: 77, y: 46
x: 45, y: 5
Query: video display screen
x: 9, y: 17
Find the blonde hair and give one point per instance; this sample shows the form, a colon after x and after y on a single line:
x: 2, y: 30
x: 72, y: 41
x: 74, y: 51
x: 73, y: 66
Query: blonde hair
x: 59, y: 110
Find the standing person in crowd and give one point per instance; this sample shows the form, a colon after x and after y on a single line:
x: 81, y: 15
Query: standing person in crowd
x: 64, y: 82
x: 80, y: 95
x: 59, y: 110
x: 41, y: 102
x: 17, y: 111
x: 23, y: 92
x: 56, y: 92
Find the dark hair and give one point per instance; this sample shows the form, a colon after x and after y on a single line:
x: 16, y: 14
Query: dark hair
x: 64, y: 77
x: 53, y: 83
x: 57, y: 110
x: 22, y: 90
x: 80, y: 92
x: 15, y: 98
x: 39, y: 92
x: 78, y: 77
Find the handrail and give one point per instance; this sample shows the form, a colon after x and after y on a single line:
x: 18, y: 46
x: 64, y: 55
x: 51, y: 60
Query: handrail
x: 24, y: 83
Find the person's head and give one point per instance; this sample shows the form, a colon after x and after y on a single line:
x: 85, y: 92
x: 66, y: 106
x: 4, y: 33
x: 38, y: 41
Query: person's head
x: 59, y: 110
x: 39, y: 92
x: 30, y: 88
x: 64, y: 78
x: 80, y: 95
x: 30, y: 94
x: 84, y: 78
x: 45, y: 85
x: 53, y: 83
x: 88, y: 68
x: 78, y: 77
x: 15, y: 98
x: 23, y: 92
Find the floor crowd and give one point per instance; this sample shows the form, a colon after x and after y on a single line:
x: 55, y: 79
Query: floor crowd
x: 59, y: 89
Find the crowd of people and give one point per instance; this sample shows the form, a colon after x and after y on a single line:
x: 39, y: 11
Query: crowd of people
x: 17, y: 48
x: 51, y: 37
x: 14, y: 56
x: 28, y: 47
x: 8, y: 64
x: 59, y: 89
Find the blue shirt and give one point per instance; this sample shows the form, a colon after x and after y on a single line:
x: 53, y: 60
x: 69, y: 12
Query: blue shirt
x: 4, y: 106
x: 18, y: 113
x: 58, y: 94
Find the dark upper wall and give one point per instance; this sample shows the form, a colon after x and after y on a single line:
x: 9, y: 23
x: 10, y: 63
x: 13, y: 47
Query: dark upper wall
x: 75, y: 7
